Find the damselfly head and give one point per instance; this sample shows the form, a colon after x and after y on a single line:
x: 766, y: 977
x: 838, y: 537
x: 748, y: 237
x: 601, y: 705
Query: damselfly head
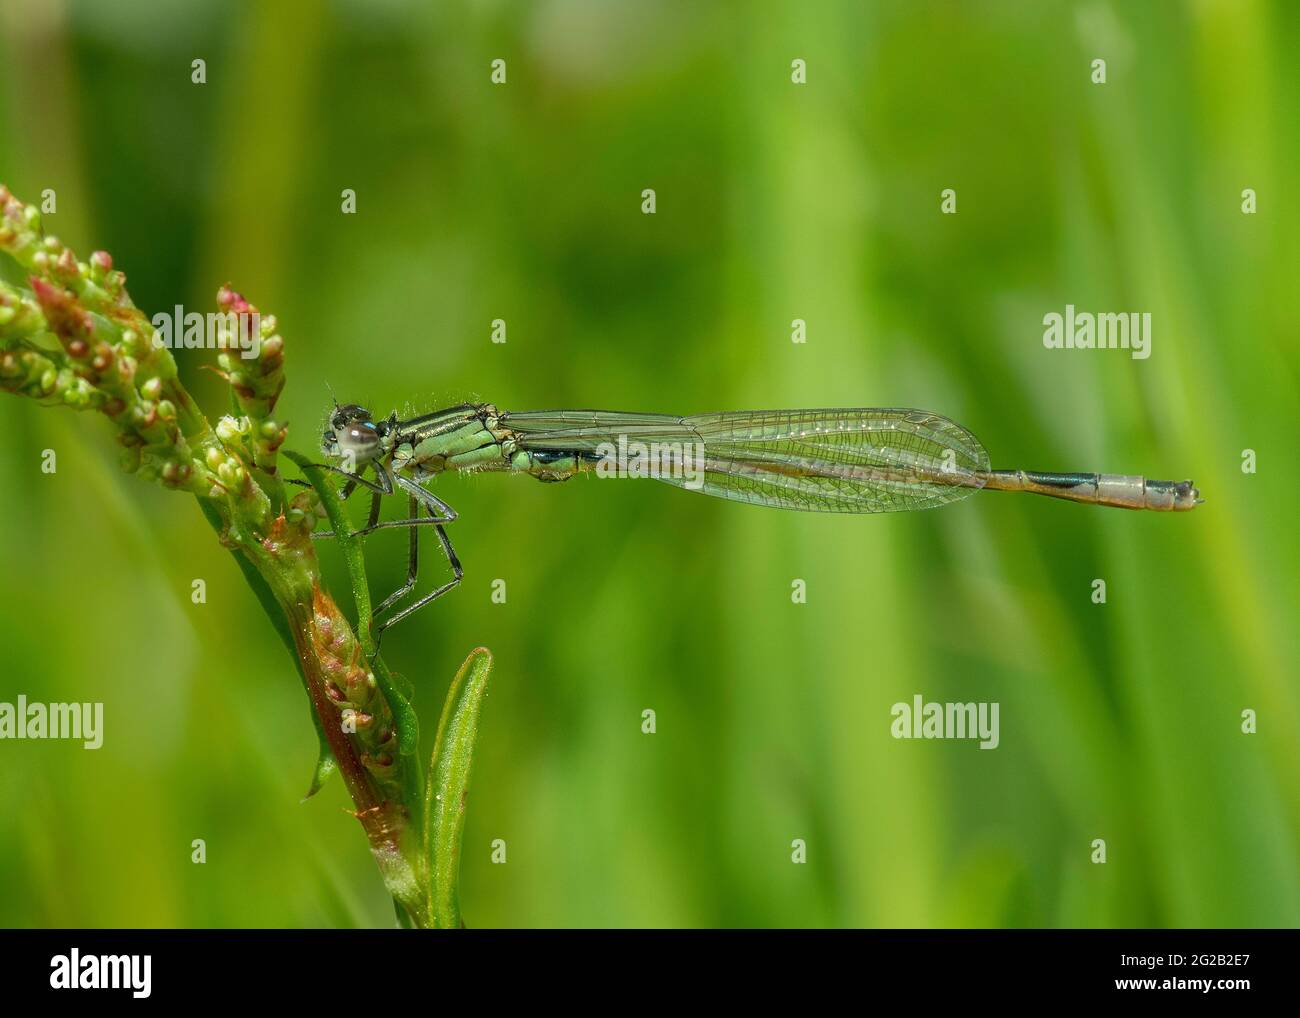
x: 352, y: 433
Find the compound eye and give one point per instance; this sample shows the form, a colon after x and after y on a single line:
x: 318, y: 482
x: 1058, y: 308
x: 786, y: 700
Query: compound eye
x: 360, y: 438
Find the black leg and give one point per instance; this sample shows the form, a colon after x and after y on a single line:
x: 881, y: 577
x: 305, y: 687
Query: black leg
x: 377, y: 491
x: 347, y: 488
x: 438, y: 510
x: 384, y: 487
x: 439, y: 513
x: 410, y: 610
x: 412, y: 564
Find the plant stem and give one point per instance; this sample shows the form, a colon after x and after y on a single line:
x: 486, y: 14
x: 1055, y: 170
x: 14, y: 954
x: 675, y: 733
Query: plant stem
x: 75, y: 338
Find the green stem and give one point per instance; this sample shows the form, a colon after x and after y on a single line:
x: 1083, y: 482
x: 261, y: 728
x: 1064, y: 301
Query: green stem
x: 409, y: 783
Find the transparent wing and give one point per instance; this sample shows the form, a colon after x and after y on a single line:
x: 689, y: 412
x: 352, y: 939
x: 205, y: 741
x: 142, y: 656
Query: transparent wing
x: 847, y: 461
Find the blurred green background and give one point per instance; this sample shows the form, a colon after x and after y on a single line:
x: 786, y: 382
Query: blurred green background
x: 775, y: 201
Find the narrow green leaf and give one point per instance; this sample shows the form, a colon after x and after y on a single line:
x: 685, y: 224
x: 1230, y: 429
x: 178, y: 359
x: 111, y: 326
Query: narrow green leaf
x: 325, y: 762
x: 398, y: 692
x: 444, y: 797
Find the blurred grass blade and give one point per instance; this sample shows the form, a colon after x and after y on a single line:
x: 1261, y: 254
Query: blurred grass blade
x: 444, y: 799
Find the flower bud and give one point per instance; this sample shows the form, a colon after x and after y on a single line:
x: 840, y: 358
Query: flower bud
x: 228, y: 430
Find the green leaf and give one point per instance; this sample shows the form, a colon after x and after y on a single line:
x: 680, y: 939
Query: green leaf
x: 325, y: 763
x: 444, y: 797
x: 398, y: 692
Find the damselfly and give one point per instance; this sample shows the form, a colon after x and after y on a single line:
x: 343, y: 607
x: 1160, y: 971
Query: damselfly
x: 841, y: 461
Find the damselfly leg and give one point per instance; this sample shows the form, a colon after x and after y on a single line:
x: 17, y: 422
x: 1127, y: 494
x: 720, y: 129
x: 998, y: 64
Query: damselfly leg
x: 439, y: 512
x: 418, y: 498
x: 457, y: 574
x: 412, y: 562
x: 377, y: 492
